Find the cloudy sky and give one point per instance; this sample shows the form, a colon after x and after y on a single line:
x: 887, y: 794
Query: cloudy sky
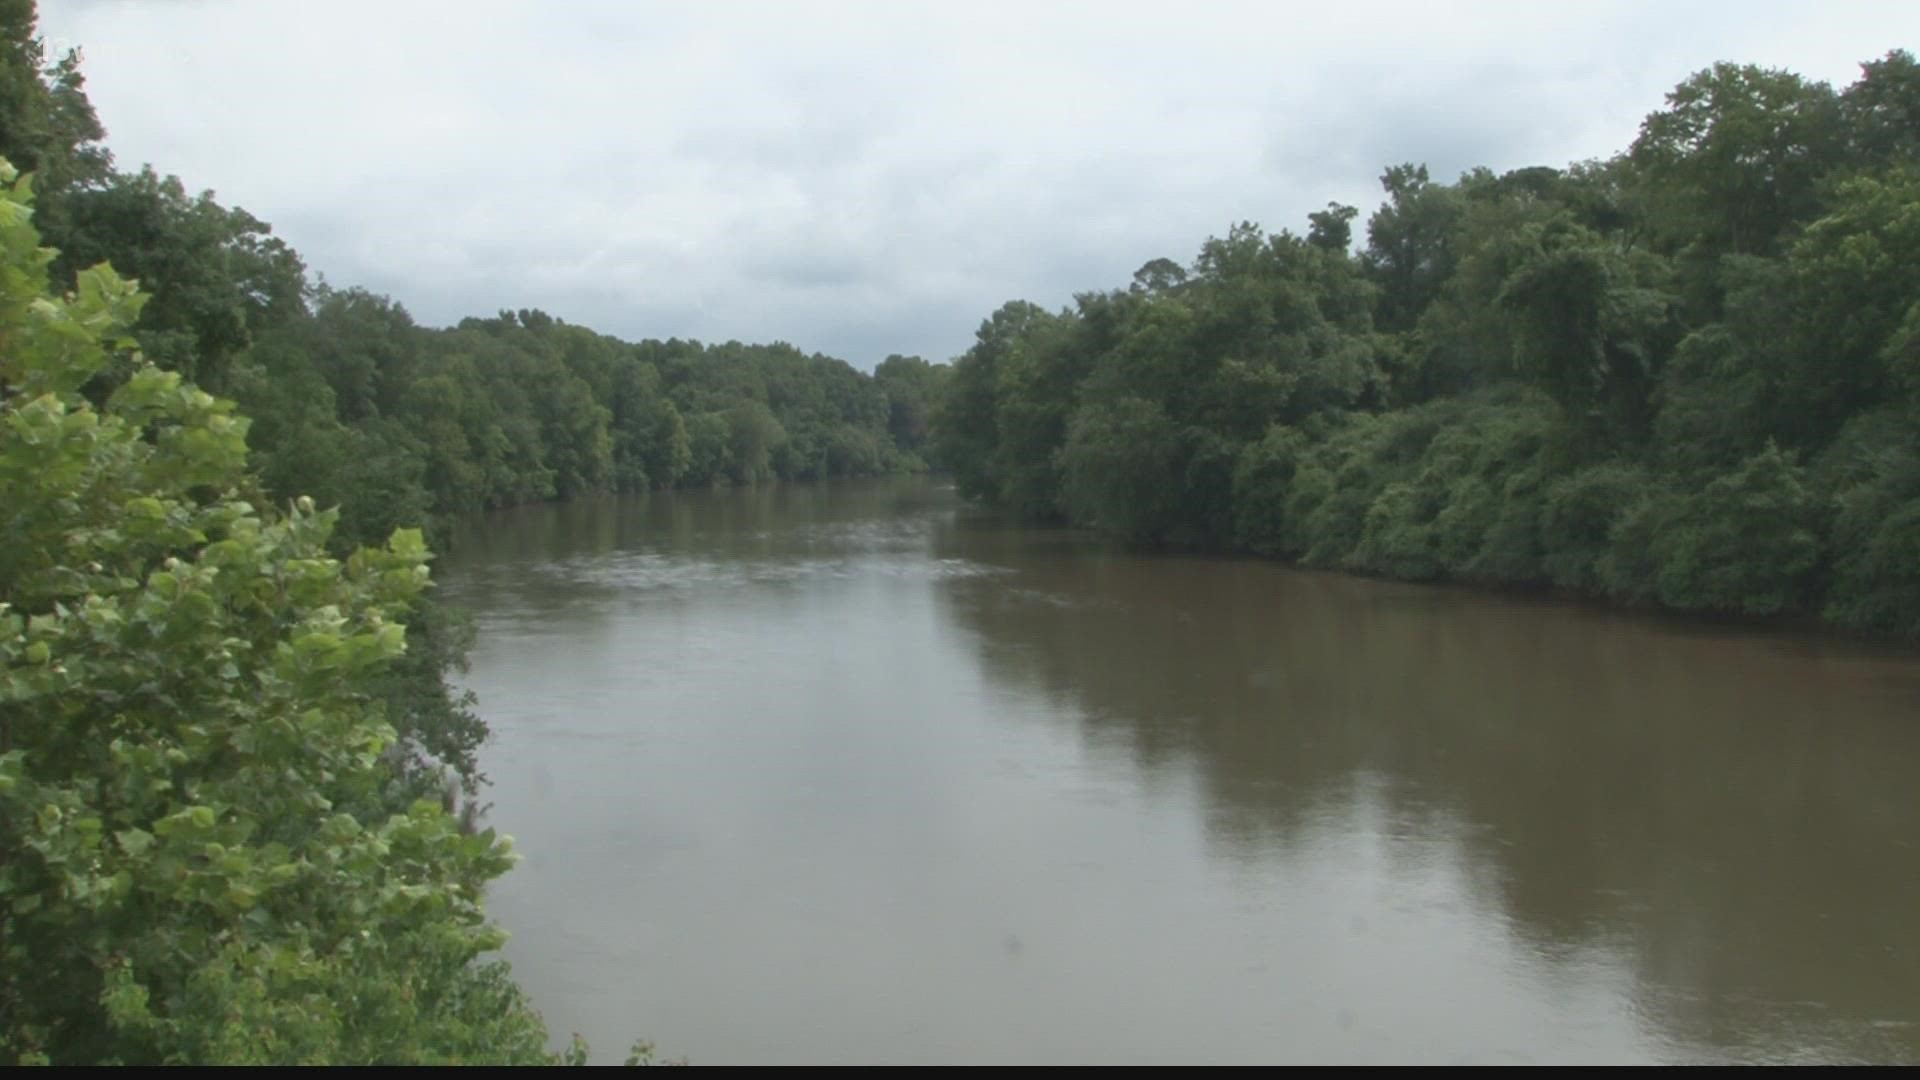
x: 864, y: 178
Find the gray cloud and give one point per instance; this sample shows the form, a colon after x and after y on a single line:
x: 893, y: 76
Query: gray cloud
x: 862, y: 179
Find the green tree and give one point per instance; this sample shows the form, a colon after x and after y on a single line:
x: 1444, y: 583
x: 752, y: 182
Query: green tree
x: 1121, y: 466
x: 217, y: 275
x: 1594, y: 324
x: 1748, y: 543
x: 911, y: 385
x: 1332, y: 229
x: 1882, y: 112
x: 1410, y: 243
x: 966, y: 420
x: 47, y: 125
x: 1737, y: 155
x: 197, y: 858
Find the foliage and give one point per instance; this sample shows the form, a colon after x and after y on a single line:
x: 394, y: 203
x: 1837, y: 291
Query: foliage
x: 1688, y: 375
x: 1120, y: 467
x: 199, y: 862
x: 1747, y: 543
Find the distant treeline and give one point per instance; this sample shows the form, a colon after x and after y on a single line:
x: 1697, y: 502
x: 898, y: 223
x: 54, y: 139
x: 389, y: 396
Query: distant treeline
x: 1687, y: 375
x: 358, y: 406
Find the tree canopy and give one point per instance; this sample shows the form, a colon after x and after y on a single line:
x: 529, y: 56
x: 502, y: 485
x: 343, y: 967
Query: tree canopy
x: 202, y: 861
x: 1684, y: 375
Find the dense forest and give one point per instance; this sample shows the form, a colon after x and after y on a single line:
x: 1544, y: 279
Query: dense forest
x: 1688, y: 375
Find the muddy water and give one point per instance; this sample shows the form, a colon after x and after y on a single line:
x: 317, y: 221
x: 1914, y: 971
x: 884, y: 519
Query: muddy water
x: 858, y: 774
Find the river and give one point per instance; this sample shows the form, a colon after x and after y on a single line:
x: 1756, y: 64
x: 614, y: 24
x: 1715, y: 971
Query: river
x: 860, y: 774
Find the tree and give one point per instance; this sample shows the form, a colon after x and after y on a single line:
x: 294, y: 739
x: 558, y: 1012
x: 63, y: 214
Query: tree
x: 910, y: 385
x: 217, y: 275
x: 197, y: 858
x: 47, y: 125
x: 1737, y: 156
x: 1852, y: 281
x: 1332, y: 229
x: 753, y: 434
x: 1882, y: 112
x: 1120, y: 467
x: 1593, y: 324
x: 966, y: 422
x: 1410, y: 243
x: 1159, y: 276
x: 1747, y: 543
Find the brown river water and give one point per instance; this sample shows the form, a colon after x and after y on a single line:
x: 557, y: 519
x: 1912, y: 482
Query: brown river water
x: 861, y: 774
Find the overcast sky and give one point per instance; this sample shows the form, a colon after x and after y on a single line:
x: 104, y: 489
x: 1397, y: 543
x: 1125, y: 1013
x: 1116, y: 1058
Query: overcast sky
x: 861, y: 179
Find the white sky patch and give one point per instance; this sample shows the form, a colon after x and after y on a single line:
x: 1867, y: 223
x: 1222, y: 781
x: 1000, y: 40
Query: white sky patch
x: 863, y: 178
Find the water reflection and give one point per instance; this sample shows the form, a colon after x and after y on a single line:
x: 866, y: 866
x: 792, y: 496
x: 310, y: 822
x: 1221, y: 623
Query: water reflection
x: 1732, y: 815
x: 855, y: 774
